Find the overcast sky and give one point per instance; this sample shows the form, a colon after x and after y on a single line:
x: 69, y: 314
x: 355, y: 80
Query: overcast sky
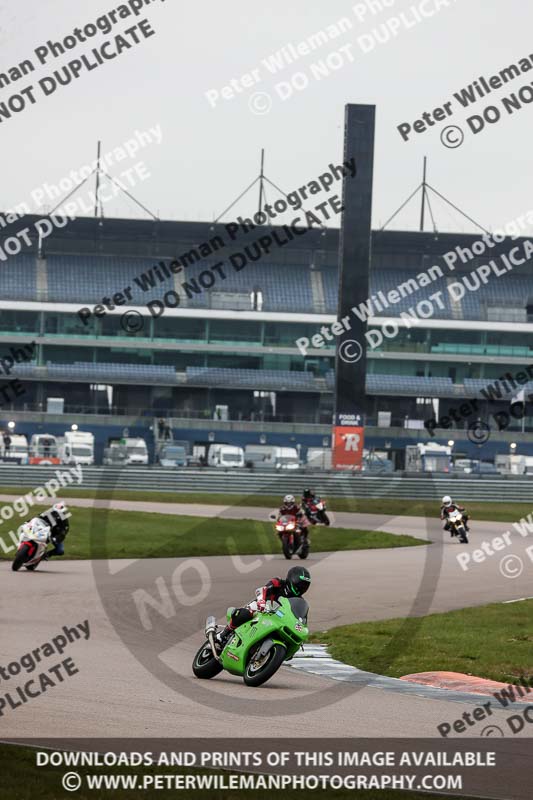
x: 209, y: 155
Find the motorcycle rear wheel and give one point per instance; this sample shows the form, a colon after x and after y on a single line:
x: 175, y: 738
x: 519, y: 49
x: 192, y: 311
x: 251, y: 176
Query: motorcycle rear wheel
x: 205, y: 665
x: 304, y: 550
x: 257, y: 675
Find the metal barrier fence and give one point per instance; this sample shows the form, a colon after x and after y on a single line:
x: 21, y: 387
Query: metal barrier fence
x: 244, y: 482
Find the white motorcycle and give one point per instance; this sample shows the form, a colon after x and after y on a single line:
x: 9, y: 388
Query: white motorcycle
x: 34, y: 538
x: 455, y: 518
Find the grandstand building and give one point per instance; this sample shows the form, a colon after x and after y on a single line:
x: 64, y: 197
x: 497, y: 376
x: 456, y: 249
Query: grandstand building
x: 222, y: 328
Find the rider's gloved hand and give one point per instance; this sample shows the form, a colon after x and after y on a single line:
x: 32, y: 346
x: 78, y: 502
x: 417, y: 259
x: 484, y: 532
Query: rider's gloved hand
x: 268, y: 607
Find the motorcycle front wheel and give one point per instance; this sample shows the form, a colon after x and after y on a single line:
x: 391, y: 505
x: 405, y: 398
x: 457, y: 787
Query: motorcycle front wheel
x: 258, y: 672
x: 205, y: 665
x: 287, y: 547
x: 324, y: 518
x: 20, y: 557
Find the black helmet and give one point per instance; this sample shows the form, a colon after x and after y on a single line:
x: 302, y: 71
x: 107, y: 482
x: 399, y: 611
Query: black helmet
x: 298, y: 581
x: 307, y: 493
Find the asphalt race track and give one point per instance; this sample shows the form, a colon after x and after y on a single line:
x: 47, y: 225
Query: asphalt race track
x: 116, y: 693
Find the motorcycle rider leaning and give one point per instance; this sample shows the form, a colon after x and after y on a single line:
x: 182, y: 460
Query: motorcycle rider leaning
x: 295, y: 584
x: 57, y: 520
x: 447, y: 508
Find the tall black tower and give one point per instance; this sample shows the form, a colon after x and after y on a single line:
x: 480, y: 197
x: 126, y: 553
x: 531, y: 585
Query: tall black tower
x: 354, y: 263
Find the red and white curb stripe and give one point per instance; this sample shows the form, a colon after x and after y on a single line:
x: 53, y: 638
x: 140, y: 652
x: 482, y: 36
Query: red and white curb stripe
x: 315, y: 659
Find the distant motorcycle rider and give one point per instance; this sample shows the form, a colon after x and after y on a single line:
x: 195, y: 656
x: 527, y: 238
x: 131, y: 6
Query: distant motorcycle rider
x: 308, y: 497
x: 290, y: 508
x: 57, y: 519
x: 295, y: 584
x: 447, y: 507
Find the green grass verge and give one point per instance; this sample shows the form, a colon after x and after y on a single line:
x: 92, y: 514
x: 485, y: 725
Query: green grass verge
x: 21, y: 779
x: 496, y: 512
x: 99, y: 533
x: 493, y: 641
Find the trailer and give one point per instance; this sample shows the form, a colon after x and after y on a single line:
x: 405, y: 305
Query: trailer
x: 44, y: 449
x: 431, y: 457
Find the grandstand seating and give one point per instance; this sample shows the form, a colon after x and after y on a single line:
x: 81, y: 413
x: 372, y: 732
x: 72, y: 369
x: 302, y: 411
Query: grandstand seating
x: 266, y: 379
x: 259, y: 379
x: 388, y: 280
x: 409, y: 385
x: 86, y: 279
x: 18, y: 278
x: 473, y: 387
x: 79, y: 370
x: 274, y: 380
x: 286, y: 288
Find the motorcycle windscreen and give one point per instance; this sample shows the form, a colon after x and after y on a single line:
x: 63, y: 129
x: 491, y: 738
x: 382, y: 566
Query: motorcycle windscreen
x: 299, y: 607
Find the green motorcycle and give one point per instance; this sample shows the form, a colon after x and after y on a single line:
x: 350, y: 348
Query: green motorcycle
x: 258, y: 648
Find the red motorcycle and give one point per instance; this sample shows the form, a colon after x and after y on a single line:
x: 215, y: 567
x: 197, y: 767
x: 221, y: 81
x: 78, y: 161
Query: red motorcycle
x: 294, y: 539
x: 315, y: 511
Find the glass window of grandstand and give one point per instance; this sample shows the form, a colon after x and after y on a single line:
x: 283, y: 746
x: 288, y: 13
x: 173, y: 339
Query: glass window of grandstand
x: 283, y: 334
x: 514, y: 345
x: 433, y: 369
x: 110, y: 325
x: 236, y: 332
x: 19, y: 321
x: 457, y: 342
x: 69, y: 325
x: 414, y: 340
x: 180, y: 361
x: 287, y: 363
x: 182, y: 329
x: 59, y: 354
x: 384, y: 367
x: 122, y: 355
x: 481, y: 343
x: 233, y: 362
x: 457, y: 371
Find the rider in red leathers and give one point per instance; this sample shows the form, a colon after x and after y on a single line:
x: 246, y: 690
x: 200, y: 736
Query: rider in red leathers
x: 291, y: 508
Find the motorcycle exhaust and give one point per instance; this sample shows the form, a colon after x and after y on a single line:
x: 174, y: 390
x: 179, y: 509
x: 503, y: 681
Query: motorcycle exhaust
x: 210, y: 630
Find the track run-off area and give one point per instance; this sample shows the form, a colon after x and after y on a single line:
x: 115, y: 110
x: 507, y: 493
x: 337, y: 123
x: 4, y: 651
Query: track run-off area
x: 115, y: 665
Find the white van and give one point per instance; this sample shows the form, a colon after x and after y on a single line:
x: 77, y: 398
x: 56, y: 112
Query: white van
x: 137, y: 451
x: 270, y: 457
x: 286, y: 458
x: 77, y: 448
x: 319, y: 457
x: 225, y: 455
